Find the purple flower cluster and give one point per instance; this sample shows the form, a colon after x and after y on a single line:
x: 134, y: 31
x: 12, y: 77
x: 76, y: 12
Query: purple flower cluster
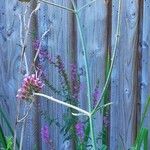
x: 80, y: 130
x: 31, y: 83
x: 96, y: 94
x: 43, y: 53
x: 45, y: 134
x: 60, y: 65
x: 63, y: 75
x: 75, y: 81
x: 36, y: 44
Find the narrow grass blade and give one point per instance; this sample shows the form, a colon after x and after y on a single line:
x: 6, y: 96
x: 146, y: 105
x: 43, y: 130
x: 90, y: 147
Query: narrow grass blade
x: 2, y: 138
x: 8, y: 124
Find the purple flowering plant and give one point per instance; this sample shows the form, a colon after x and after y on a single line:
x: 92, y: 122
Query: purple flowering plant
x: 31, y: 83
x: 70, y: 89
x: 70, y: 86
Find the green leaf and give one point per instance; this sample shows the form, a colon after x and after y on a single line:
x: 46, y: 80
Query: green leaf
x: 142, y: 138
x: 145, y: 110
x: 6, y: 121
x: 103, y: 147
x: 2, y: 138
x: 87, y: 132
x: 8, y: 124
x: 25, y: 1
x: 9, y: 143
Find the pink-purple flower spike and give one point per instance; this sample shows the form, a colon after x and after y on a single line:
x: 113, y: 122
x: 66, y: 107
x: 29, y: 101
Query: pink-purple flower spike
x: 80, y: 130
x: 45, y: 134
x: 31, y: 83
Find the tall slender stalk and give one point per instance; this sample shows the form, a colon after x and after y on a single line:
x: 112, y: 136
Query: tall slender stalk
x: 57, y: 5
x: 88, y: 83
x: 113, y: 58
x: 84, y: 6
x: 15, y: 128
x: 23, y: 56
x: 22, y: 131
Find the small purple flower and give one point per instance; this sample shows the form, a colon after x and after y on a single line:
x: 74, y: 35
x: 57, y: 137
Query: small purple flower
x: 36, y: 44
x: 31, y: 83
x: 80, y: 130
x: 43, y: 53
x: 96, y: 94
x: 62, y: 72
x: 75, y: 81
x: 45, y: 134
x: 60, y: 64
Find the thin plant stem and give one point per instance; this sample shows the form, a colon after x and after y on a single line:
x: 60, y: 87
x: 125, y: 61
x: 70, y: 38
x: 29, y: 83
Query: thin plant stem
x: 22, y: 45
x: 23, y: 120
x: 23, y: 56
x: 26, y: 113
x: 85, y: 59
x: 22, y: 131
x: 22, y: 135
x: 113, y: 59
x: 27, y: 31
x: 40, y: 45
x: 63, y: 103
x: 85, y: 5
x: 26, y: 63
x: 57, y: 5
x: 87, y: 73
x: 15, y: 128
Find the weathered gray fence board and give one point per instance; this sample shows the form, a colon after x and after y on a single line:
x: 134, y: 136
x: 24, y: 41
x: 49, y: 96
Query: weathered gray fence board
x: 124, y: 77
x: 57, y: 43
x: 94, y: 27
x: 145, y: 43
x: 63, y: 39
x: 9, y: 57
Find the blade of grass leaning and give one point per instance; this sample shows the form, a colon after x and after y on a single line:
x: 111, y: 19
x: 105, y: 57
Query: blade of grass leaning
x: 2, y: 138
x: 147, y: 105
x: 8, y: 124
x: 106, y: 97
x: 142, y: 138
x: 87, y: 133
x: 6, y: 120
x: 142, y: 135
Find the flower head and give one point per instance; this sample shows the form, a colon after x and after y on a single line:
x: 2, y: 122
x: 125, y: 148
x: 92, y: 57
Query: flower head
x: 75, y: 81
x: 96, y: 94
x: 80, y: 130
x: 45, y: 133
x: 31, y: 83
x: 36, y: 44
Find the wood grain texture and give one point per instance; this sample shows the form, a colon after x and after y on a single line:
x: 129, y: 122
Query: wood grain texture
x: 9, y: 58
x: 94, y: 27
x: 145, y: 50
x: 124, y: 76
x: 57, y: 43
x: 63, y: 39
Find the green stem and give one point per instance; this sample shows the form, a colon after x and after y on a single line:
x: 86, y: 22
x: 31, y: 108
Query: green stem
x: 63, y: 103
x: 87, y: 73
x: 56, y: 5
x: 113, y: 59
x: 86, y: 63
x: 92, y: 132
x: 85, y: 5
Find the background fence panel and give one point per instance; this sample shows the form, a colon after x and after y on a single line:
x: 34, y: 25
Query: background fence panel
x: 124, y: 77
x: 98, y: 23
x: 145, y: 51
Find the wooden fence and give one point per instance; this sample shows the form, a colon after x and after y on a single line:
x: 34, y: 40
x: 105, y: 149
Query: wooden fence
x: 130, y: 85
